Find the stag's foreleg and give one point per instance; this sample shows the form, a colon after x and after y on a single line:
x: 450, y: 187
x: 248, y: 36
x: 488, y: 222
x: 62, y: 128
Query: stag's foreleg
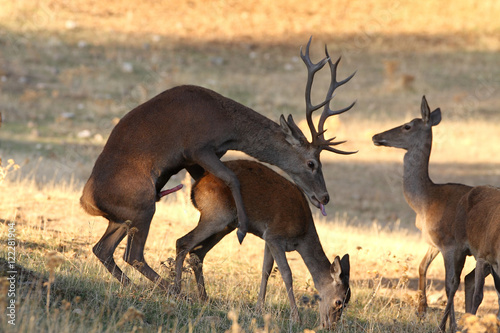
x: 432, y: 252
x: 106, y: 246
x: 211, y: 163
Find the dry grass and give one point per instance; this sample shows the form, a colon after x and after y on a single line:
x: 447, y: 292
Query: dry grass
x: 69, y: 70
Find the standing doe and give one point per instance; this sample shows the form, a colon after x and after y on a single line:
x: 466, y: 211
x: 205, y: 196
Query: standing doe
x: 190, y: 127
x: 278, y: 213
x: 434, y: 204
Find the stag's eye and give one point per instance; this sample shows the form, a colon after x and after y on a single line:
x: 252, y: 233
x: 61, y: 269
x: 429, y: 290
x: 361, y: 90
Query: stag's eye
x: 311, y: 165
x: 407, y: 127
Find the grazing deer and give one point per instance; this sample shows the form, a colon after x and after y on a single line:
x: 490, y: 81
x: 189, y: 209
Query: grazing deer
x: 190, y: 127
x: 434, y: 204
x: 278, y: 213
x: 479, y: 215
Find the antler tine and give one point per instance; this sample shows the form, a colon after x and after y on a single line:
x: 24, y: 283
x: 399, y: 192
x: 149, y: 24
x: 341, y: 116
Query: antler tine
x: 312, y: 68
x: 334, y: 84
x: 339, y: 151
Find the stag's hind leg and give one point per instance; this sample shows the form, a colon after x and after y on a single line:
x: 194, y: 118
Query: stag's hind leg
x: 134, y: 252
x: 106, y: 246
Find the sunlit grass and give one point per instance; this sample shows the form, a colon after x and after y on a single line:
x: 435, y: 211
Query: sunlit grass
x: 84, y: 297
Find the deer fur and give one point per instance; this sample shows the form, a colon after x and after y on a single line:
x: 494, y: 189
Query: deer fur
x: 279, y: 214
x: 434, y: 204
x: 190, y: 127
x: 479, y: 231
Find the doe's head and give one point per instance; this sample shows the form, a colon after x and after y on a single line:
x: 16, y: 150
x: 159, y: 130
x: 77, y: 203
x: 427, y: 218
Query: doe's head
x: 335, y: 296
x: 415, y: 133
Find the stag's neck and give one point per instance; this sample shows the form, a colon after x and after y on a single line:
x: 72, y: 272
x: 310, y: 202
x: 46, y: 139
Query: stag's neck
x: 264, y: 140
x: 417, y: 184
x: 316, y: 260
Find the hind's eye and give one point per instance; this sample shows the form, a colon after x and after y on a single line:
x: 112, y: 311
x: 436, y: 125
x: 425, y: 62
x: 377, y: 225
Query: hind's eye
x: 407, y: 127
x: 310, y: 165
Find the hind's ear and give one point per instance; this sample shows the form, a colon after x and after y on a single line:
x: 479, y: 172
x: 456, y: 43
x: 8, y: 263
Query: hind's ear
x: 336, y: 269
x: 346, y: 266
x: 425, y: 110
x: 435, y: 117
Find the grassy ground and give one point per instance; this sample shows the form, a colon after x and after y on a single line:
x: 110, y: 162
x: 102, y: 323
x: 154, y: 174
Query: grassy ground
x: 69, y: 71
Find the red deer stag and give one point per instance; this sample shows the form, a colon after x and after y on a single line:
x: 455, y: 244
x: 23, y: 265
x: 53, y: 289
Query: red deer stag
x: 190, y: 127
x: 434, y: 204
x: 277, y: 212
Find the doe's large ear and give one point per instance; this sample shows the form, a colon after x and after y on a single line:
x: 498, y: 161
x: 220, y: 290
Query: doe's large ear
x: 336, y: 269
x: 425, y: 110
x: 346, y: 266
x: 435, y: 117
x: 293, y: 134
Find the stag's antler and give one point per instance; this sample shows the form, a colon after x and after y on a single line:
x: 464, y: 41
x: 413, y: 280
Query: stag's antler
x: 318, y: 138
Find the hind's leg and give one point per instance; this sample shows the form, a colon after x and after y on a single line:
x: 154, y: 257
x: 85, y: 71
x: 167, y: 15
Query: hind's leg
x: 201, y: 238
x: 200, y: 251
x: 106, y: 246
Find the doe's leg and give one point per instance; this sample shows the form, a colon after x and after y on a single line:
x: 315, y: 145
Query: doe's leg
x: 453, y: 263
x: 432, y: 252
x: 481, y: 267
x: 202, y: 241
x: 286, y: 274
x: 267, y: 267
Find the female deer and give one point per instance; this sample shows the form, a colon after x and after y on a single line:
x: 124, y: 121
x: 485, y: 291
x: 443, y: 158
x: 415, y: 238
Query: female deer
x: 277, y: 212
x: 434, y: 204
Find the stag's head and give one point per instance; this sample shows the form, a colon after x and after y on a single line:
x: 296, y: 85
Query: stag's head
x: 335, y: 295
x: 413, y: 134
x: 309, y: 175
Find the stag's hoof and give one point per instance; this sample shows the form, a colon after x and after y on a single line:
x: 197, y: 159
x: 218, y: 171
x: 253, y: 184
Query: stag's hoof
x: 241, y: 235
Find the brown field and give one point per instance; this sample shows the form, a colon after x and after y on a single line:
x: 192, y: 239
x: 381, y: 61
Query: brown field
x: 70, y: 70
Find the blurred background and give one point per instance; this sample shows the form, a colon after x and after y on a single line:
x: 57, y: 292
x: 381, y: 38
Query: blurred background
x: 69, y: 70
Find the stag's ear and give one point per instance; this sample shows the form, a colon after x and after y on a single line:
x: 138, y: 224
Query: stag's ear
x: 293, y: 134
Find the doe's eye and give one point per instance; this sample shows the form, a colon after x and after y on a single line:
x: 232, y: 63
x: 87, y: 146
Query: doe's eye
x: 310, y: 165
x: 407, y: 127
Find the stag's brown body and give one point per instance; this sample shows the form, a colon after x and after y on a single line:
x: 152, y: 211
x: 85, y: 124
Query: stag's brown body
x: 190, y: 127
x: 434, y: 204
x: 278, y: 213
